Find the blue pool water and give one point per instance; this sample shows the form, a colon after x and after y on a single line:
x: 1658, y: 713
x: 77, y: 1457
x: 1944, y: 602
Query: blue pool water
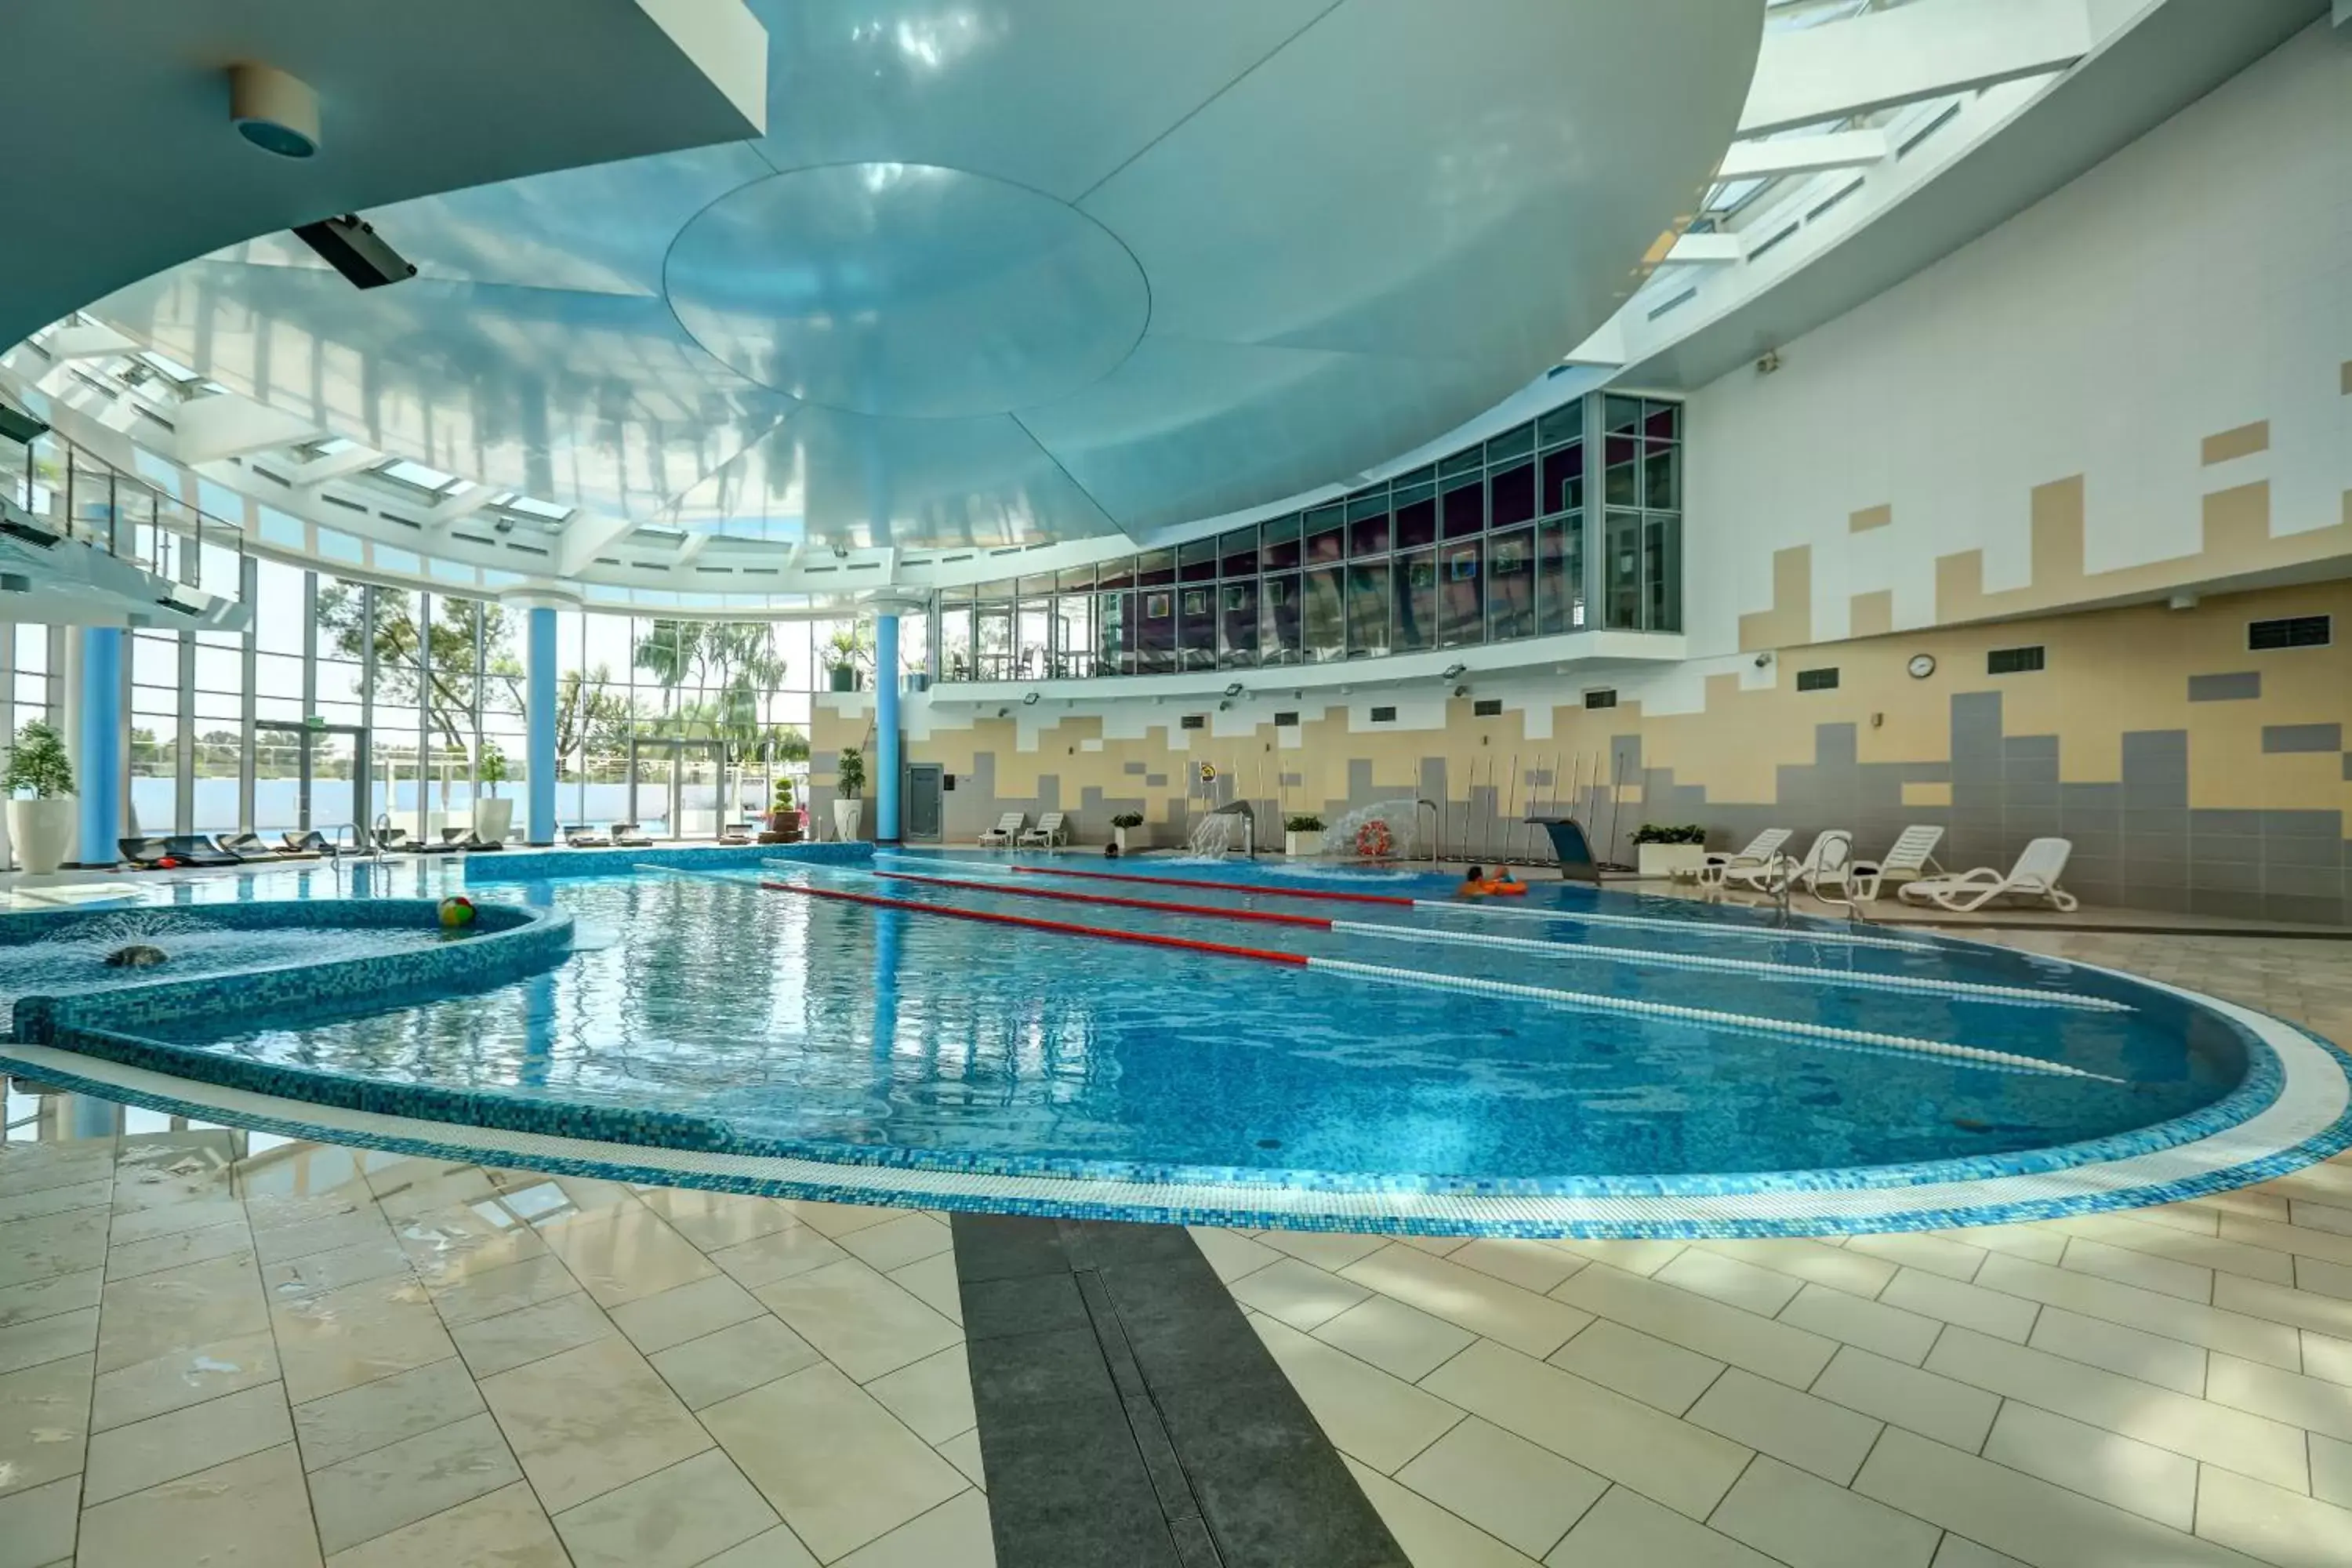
x: 810, y: 1026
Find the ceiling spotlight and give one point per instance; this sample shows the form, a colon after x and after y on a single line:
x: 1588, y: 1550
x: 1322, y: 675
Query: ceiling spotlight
x: 1225, y: 704
x: 1029, y: 700
x: 1462, y: 691
x: 1004, y: 712
x: 1454, y: 672
x: 1763, y: 659
x: 1234, y: 689
x: 841, y: 552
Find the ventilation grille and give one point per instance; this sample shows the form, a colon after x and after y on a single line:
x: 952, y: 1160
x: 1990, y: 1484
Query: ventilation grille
x: 1286, y: 721
x: 2293, y: 631
x: 2014, y: 660
x: 1193, y: 721
x: 1817, y: 679
x: 1383, y: 715
x: 1604, y: 697
x: 1487, y: 708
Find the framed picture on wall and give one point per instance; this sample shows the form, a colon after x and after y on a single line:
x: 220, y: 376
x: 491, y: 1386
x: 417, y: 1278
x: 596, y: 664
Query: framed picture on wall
x: 1196, y: 601
x: 1156, y: 607
x: 1461, y: 565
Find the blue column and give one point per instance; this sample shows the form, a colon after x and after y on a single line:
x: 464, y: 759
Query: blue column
x: 887, y: 762
x: 97, y: 748
x: 541, y: 701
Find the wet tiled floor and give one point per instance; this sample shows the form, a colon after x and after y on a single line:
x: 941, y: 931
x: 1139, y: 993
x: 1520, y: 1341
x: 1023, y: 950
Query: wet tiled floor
x: 307, y: 1354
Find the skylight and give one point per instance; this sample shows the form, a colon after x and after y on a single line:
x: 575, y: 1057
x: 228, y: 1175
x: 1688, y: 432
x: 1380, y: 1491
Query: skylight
x: 547, y: 510
x: 417, y: 474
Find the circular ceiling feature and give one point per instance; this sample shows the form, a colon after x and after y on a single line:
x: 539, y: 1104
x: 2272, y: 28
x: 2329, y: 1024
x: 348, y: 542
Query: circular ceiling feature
x: 906, y: 290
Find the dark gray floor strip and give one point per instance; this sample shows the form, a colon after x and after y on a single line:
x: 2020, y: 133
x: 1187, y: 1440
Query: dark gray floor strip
x: 1129, y: 1417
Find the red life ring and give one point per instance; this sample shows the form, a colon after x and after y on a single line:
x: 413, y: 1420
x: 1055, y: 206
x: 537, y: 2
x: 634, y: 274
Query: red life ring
x: 1373, y: 840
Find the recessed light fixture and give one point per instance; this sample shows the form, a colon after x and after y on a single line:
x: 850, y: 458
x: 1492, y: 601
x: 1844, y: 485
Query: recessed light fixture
x: 1454, y: 672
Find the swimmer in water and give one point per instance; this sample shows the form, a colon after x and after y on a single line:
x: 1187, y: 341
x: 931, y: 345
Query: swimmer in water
x: 1474, y: 884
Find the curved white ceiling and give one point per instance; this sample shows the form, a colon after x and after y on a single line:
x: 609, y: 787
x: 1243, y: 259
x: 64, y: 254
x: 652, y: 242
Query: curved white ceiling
x: 1015, y: 271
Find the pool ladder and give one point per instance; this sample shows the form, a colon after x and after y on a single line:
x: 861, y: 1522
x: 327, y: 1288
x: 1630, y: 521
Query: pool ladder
x: 1437, y: 826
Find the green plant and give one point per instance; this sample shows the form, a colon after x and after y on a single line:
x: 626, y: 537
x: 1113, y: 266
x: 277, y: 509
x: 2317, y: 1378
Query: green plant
x: 1659, y: 833
x: 783, y: 795
x: 852, y: 645
x: 1128, y: 819
x: 849, y: 773
x: 39, y: 763
x: 1307, y: 824
x: 492, y: 767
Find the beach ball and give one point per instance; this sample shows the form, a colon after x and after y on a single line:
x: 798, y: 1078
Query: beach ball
x: 456, y: 912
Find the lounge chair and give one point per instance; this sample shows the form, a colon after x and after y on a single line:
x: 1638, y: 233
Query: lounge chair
x: 309, y: 842
x: 395, y: 841
x: 196, y: 849
x: 450, y: 842
x: 1052, y: 829
x: 1008, y: 828
x: 249, y: 846
x: 1911, y: 860
x: 1760, y: 851
x: 1828, y: 862
x: 2035, y: 875
x: 584, y: 836
x: 143, y: 853
x: 626, y: 836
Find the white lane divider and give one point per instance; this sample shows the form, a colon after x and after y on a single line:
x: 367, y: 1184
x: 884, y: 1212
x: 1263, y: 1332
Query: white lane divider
x: 1598, y: 1003
x: 1803, y: 971
x: 1659, y: 923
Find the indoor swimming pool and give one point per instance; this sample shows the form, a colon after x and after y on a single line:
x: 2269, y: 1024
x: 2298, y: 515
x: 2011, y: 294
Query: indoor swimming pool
x: 970, y: 1022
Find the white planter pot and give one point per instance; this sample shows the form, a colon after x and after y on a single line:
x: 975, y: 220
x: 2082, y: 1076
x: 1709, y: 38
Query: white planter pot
x: 42, y: 832
x: 1299, y: 843
x: 1118, y: 837
x: 1665, y: 860
x: 493, y: 819
x: 849, y: 818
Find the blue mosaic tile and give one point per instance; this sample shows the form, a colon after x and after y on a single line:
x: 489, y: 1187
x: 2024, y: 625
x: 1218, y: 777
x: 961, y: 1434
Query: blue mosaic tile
x: 552, y: 865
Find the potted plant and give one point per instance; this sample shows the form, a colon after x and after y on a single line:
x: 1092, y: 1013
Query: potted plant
x: 493, y: 814
x: 849, y: 795
x: 1302, y: 835
x: 1667, y: 851
x: 847, y: 652
x: 783, y: 816
x: 1119, y: 825
x: 39, y: 784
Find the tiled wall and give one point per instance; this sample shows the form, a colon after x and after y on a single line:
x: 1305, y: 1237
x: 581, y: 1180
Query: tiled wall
x: 2190, y: 772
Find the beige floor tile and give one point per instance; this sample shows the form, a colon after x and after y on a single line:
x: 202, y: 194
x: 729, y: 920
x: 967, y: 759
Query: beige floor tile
x: 48, y: 1338
x: 2151, y: 1358
x: 47, y: 1298
x: 1523, y: 1495
x: 1835, y: 1267
x: 1682, y: 1466
x: 1430, y: 1534
x: 1774, y: 1349
x: 590, y: 1420
x: 1328, y: 1249
x: 1623, y: 1530
x: 500, y: 1344
x: 373, y: 1493
x: 1632, y: 1362
x: 1642, y: 1257
x: 1532, y: 1324
x: 494, y: 1292
x: 1401, y: 1340
x: 506, y: 1528
x: 2251, y: 1445
x: 2321, y: 1217
x: 322, y: 1233
x: 933, y: 1396
x: 1366, y: 1414
x: 1535, y: 1266
x: 2326, y: 1356
x: 624, y: 1254
x: 1812, y: 1434
x: 963, y: 1451
x: 2281, y: 1527
x: 1730, y: 1281
x: 1230, y: 1252
x: 910, y: 1239
x: 723, y: 1364
x: 358, y: 1420
x: 2323, y: 1279
x: 43, y: 1422
x: 1874, y: 1326
x: 2144, y: 1230
x: 714, y: 1220
x: 2310, y: 1403
x: 343, y: 1338
x: 1959, y: 1552
x: 1435, y: 1245
x: 40, y: 1201
x: 2149, y: 1272
x: 1952, y: 1302
x: 2155, y: 1482
x: 181, y: 1378
x: 2329, y: 1245
x: 2331, y: 1470
x: 125, y: 1459
x: 65, y: 1243
x: 2031, y: 1241
x: 32, y: 1167
x: 675, y: 1518
x: 858, y: 1319
x: 953, y: 1535
x: 1804, y: 1522
x: 445, y: 1244
x: 1299, y: 1294
x: 685, y: 1312
x: 2323, y: 1314
x: 777, y: 1548
x: 2032, y: 1520
x: 1953, y: 1413
x: 170, y: 1219
x: 779, y: 1254
x: 837, y: 1220
x: 257, y: 1501
x: 1928, y: 1253
x: 175, y: 1309
x: 36, y: 1525
x: 315, y: 1273
x: 2227, y: 1325
x: 840, y: 1468
x: 161, y: 1252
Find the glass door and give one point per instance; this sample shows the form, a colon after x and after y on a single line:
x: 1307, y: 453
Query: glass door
x: 696, y: 788
x: 309, y: 778
x: 653, y: 783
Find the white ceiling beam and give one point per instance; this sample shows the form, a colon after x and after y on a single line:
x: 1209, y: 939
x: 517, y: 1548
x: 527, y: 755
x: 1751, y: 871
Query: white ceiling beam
x: 1709, y: 249
x: 1805, y: 155
x: 585, y: 537
x: 310, y: 476
x: 1925, y: 49
x: 91, y: 340
x: 690, y: 546
x: 1605, y: 347
x: 206, y: 429
x: 456, y: 506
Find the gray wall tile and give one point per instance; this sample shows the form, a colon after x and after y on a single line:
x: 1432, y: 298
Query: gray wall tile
x: 2244, y: 685
x: 2303, y: 737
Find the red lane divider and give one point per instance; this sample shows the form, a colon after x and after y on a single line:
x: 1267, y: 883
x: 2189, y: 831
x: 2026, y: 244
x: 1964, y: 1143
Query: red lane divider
x: 1145, y: 939
x: 1318, y: 922
x: 1250, y: 888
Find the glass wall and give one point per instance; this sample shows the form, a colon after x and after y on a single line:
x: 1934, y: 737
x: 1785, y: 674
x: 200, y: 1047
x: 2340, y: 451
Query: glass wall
x: 1487, y: 545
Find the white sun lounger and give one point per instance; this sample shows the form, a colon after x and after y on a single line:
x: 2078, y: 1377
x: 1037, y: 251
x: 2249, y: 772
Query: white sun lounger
x: 1052, y: 829
x: 1828, y: 861
x: 1910, y: 860
x: 1007, y: 828
x: 1760, y: 849
x: 2035, y: 875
